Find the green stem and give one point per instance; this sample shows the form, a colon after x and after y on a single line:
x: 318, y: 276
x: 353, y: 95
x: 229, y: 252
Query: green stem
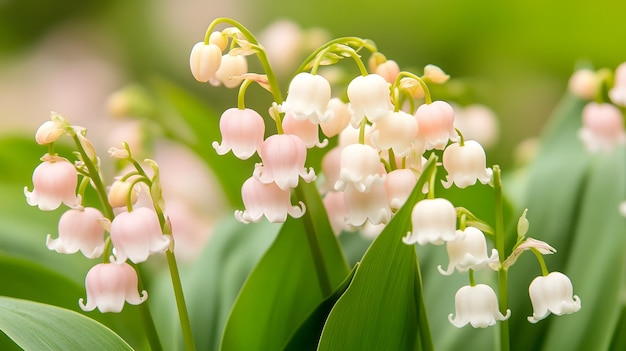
x: 242, y: 93
x: 471, y: 277
x: 427, y: 98
x: 151, y: 333
x: 503, y: 298
x: 183, y: 316
x: 316, y: 250
x: 349, y: 41
x: 542, y: 262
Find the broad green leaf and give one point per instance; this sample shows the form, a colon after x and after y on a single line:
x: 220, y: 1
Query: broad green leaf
x: 283, y: 289
x: 619, y: 336
x: 380, y: 309
x: 36, y: 326
x: 595, y: 262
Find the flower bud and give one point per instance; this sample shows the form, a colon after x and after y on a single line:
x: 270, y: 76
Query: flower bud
x: 119, y: 192
x: 204, y: 61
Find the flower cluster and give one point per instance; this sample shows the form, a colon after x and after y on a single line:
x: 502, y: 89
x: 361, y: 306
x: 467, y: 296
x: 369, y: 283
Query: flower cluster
x: 135, y: 230
x: 602, y: 118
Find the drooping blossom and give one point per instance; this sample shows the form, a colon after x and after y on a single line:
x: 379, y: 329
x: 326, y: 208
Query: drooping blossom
x: 50, y: 131
x: 435, y: 74
x: 397, y: 132
x: 232, y: 67
x: 331, y: 167
x: 283, y: 157
x: 617, y: 94
x: 335, y: 206
x: 465, y: 164
x: 478, y: 306
x: 137, y: 234
x: 371, y: 206
x: 204, y: 61
x: 109, y: 286
x: 435, y: 124
x: 361, y: 167
x: 308, y: 97
x: 79, y: 229
x: 603, y: 127
x: 433, y: 221
x: 338, y: 117
x: 477, y: 122
x: 399, y: 183
x: 267, y: 200
x: 468, y: 252
x: 120, y: 192
x: 552, y: 294
x: 388, y: 70
x: 369, y: 97
x: 242, y: 132
x: 306, y: 130
x: 54, y: 182
x: 584, y: 83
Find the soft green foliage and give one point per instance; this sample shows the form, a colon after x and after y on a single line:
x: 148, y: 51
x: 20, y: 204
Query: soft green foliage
x: 35, y: 326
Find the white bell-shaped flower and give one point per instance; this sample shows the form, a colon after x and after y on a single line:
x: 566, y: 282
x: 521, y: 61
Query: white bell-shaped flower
x: 465, y: 164
x: 267, y: 200
x: 584, y: 83
x: 369, y: 97
x: 242, y: 132
x: 369, y: 206
x: 433, y: 221
x: 478, y: 306
x: 552, y: 294
x: 136, y: 235
x: 399, y: 184
x: 468, y: 252
x: 283, y: 157
x: 603, y: 127
x: 361, y: 167
x: 308, y: 97
x: 79, y: 229
x: 231, y: 69
x: 617, y: 94
x: 306, y: 130
x: 435, y: 124
x: 338, y: 117
x: 109, y: 286
x: 204, y: 61
x: 54, y: 182
x: 397, y: 132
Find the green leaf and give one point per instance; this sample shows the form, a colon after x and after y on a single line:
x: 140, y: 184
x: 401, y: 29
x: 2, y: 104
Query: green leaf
x: 283, y: 289
x: 381, y: 307
x: 36, y: 326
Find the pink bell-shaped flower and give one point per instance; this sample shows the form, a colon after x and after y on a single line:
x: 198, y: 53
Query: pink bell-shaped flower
x: 137, y: 234
x: 435, y: 124
x: 267, y: 200
x: 109, y: 285
x: 603, y: 127
x: 369, y: 97
x: 204, y: 61
x: 331, y: 166
x: 335, y: 206
x: 54, y: 182
x: 308, y: 97
x: 283, y: 157
x: 468, y: 252
x: 465, y: 164
x: 388, y: 70
x: 338, y: 117
x: 552, y: 294
x: 79, y: 229
x: 399, y: 184
x: 369, y: 206
x: 242, y: 132
x: 397, y: 132
x: 477, y: 305
x: 361, y: 167
x: 434, y: 222
x: 231, y: 69
x: 304, y: 129
x: 617, y: 94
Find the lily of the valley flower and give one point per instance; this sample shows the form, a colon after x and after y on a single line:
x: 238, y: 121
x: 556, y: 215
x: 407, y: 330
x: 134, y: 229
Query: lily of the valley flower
x: 435, y: 123
x: 369, y: 206
x: 399, y: 184
x: 334, y: 204
x: 603, y: 127
x: 552, y: 294
x: 397, y: 132
x: 308, y: 97
x: 478, y: 306
x: 306, y: 130
x: 434, y: 222
x: 79, y: 229
x: 283, y: 157
x: 109, y: 286
x: 54, y: 182
x: 369, y: 97
x: 338, y: 117
x: 137, y: 234
x: 232, y: 67
x: 468, y: 252
x: 204, y: 61
x: 242, y: 132
x: 361, y: 167
x: 465, y: 164
x: 266, y: 200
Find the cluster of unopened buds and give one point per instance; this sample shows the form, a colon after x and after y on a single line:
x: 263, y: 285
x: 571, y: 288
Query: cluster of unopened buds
x: 387, y: 126
x: 131, y: 213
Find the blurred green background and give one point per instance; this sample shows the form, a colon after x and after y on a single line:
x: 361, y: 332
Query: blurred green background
x: 513, y: 56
